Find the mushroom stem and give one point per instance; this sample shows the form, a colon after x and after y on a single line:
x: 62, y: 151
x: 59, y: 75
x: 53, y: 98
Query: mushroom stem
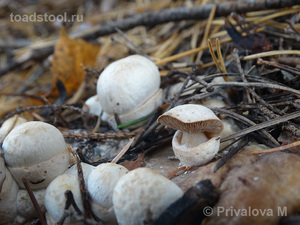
x: 190, y: 140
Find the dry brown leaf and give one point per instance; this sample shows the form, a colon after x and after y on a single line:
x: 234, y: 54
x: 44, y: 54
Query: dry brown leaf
x: 69, y: 57
x: 131, y: 165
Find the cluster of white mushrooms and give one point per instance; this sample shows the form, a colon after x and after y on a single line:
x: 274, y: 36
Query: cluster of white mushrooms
x: 36, y: 152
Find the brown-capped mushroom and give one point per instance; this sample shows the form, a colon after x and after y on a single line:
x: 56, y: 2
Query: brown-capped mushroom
x: 197, y: 138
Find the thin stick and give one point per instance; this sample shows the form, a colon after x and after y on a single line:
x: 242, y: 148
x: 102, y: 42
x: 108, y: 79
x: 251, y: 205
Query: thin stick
x: 123, y: 151
x: 287, y: 68
x: 260, y: 126
x: 280, y: 148
x: 185, y: 168
x: 20, y: 110
x: 99, y: 136
x: 230, y: 154
x: 271, y: 53
x: 257, y: 85
x: 246, y: 121
x: 241, y: 71
x: 83, y: 190
x: 34, y: 202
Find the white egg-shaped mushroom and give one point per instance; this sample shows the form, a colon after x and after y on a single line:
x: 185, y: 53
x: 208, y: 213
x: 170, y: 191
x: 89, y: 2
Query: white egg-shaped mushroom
x: 55, y: 199
x: 141, y: 195
x: 86, y: 170
x: 93, y: 105
x: 9, y: 124
x: 129, y: 88
x: 101, y: 184
x: 37, y: 152
x: 197, y: 139
x: 25, y: 208
x: 8, y: 195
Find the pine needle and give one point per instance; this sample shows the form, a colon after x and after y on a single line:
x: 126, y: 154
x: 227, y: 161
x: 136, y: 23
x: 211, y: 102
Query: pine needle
x: 214, y: 56
x: 280, y: 148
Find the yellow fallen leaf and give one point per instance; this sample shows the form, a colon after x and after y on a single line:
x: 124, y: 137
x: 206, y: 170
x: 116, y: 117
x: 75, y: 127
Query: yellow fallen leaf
x: 69, y: 56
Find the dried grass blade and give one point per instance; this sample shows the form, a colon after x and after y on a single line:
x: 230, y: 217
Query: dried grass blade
x: 271, y: 53
x: 220, y: 57
x: 214, y: 56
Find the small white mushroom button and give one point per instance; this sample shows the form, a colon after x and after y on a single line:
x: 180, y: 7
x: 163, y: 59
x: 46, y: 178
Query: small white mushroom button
x: 37, y: 152
x: 141, y: 195
x: 55, y: 199
x: 129, y: 88
x: 93, y: 105
x: 197, y: 139
x: 101, y: 183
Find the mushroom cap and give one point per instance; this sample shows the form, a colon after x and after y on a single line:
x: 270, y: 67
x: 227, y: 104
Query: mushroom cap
x: 192, y: 118
x: 101, y: 184
x: 102, y: 181
x: 37, y: 152
x: 93, y: 105
x: 127, y: 83
x: 194, y: 149
x: 55, y: 199
x: 141, y: 195
x: 32, y: 143
x: 145, y: 109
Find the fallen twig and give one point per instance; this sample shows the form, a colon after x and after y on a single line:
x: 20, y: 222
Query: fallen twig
x: 34, y: 202
x: 269, y: 123
x: 99, y: 136
x: 152, y: 18
x: 257, y: 85
x: 280, y: 148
